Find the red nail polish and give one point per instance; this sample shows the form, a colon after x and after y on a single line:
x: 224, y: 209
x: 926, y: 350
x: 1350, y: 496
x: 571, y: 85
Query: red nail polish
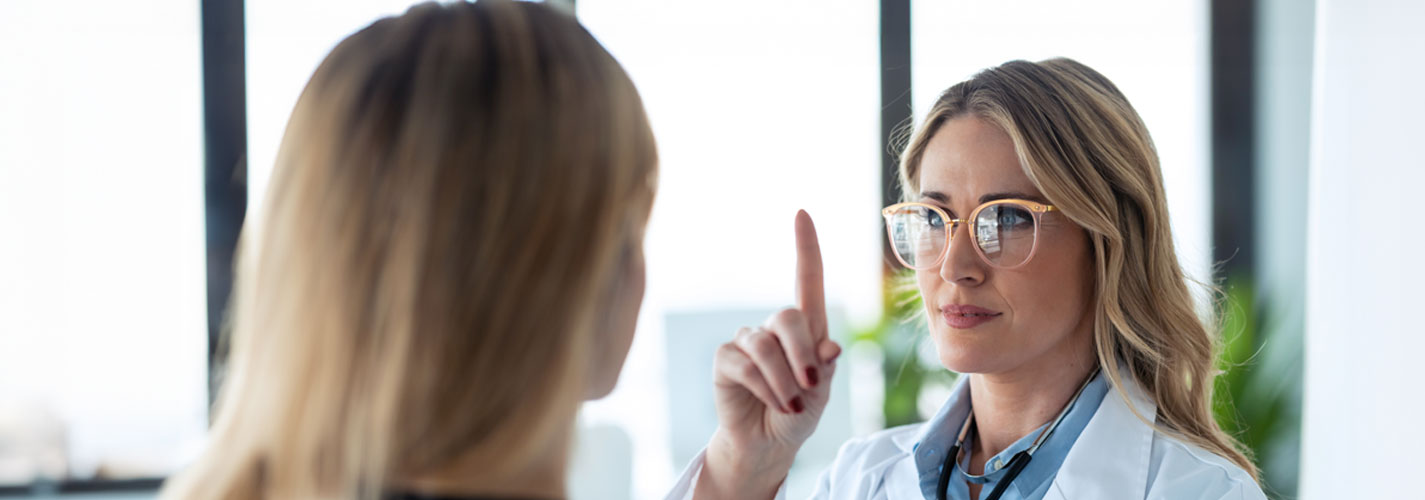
x: 811, y: 376
x: 797, y: 404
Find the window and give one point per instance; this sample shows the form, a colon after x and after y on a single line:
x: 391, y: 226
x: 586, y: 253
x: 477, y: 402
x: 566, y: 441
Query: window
x: 760, y: 108
x: 103, y: 354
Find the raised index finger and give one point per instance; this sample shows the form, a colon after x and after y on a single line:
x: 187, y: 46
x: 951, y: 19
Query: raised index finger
x: 811, y: 297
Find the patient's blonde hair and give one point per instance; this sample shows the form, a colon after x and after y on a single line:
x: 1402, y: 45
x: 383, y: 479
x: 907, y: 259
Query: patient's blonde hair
x: 448, y: 212
x: 1086, y: 149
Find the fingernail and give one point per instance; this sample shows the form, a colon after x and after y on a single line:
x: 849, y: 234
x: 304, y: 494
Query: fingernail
x: 797, y: 404
x: 811, y: 376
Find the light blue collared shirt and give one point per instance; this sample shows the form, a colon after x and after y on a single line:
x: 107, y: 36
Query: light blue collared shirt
x: 1033, y: 482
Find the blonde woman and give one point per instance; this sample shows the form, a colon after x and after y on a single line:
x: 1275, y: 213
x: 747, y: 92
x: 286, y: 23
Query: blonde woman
x: 449, y: 262
x: 1036, y: 224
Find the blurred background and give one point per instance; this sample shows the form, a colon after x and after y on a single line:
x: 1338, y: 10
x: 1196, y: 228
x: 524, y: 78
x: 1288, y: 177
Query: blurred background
x: 136, y: 136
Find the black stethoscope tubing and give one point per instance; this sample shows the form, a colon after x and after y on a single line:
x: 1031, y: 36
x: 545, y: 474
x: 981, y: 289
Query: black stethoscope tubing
x: 1017, y: 463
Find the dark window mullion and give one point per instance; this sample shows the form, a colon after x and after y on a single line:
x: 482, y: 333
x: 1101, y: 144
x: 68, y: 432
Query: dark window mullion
x: 225, y: 158
x: 896, y: 111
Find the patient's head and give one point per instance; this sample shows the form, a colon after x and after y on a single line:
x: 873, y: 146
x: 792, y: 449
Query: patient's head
x: 449, y: 259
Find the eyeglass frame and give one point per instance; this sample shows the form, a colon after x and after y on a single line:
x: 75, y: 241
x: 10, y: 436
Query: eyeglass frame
x: 1037, y: 209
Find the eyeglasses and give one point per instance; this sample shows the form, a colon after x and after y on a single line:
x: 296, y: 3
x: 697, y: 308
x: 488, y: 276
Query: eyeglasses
x: 1006, y: 232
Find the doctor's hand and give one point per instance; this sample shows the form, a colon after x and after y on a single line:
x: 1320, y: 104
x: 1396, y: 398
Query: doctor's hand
x: 772, y: 383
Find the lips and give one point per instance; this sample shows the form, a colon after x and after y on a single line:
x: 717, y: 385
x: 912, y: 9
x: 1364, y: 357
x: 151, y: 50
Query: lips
x: 963, y: 317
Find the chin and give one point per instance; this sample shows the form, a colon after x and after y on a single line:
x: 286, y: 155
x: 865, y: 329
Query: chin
x: 964, y: 355
x: 601, y: 388
x: 966, y: 365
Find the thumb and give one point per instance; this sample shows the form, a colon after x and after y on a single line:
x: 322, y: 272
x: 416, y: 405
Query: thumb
x: 828, y: 350
x: 821, y: 395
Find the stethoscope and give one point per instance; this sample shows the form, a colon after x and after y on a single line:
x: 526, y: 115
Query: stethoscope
x: 1020, y: 459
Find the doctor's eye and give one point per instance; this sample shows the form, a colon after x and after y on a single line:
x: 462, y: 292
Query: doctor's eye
x: 933, y: 219
x: 1014, y: 218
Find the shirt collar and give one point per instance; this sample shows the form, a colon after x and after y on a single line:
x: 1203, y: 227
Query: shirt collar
x: 995, y: 466
x: 929, y: 446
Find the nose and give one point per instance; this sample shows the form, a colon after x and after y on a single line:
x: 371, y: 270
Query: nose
x: 962, y: 266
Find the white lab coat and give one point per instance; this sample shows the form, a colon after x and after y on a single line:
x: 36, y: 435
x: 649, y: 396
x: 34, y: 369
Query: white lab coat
x: 1117, y: 456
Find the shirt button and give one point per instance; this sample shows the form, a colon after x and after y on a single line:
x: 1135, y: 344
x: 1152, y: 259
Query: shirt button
x: 999, y: 463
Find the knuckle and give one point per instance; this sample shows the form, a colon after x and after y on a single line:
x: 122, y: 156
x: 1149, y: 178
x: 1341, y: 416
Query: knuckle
x: 764, y: 344
x: 725, y: 351
x: 791, y: 318
x: 748, y: 371
x: 786, y: 317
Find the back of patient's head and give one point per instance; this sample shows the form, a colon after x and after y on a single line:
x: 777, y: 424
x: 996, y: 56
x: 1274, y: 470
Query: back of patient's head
x: 456, y: 195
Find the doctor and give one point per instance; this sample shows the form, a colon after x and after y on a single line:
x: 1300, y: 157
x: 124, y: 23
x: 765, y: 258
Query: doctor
x: 1037, y: 226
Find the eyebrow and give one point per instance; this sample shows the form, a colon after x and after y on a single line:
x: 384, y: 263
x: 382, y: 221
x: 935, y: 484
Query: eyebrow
x: 943, y: 198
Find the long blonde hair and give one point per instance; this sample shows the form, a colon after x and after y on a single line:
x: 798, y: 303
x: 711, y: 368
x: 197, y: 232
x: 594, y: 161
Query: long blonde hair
x: 1086, y: 149
x: 448, y: 212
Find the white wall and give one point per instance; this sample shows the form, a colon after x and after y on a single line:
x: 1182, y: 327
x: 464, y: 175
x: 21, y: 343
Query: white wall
x: 102, y: 307
x: 1364, y: 339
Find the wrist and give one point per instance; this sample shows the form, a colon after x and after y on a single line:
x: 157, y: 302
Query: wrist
x: 733, y: 469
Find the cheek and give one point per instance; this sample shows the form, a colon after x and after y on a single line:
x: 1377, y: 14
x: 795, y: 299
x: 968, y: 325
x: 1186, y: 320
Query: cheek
x: 621, y: 322
x: 1051, y: 294
x: 928, y: 283
x: 637, y: 282
x: 630, y: 297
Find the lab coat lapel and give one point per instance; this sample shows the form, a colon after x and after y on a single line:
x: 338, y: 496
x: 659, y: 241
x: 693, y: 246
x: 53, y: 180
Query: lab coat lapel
x: 902, y: 481
x: 1110, y: 458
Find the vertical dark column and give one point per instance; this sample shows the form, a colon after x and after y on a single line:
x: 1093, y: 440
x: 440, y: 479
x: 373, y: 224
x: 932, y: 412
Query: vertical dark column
x: 1233, y: 134
x: 903, y: 374
x: 895, y: 100
x: 225, y: 157
x: 1249, y: 400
